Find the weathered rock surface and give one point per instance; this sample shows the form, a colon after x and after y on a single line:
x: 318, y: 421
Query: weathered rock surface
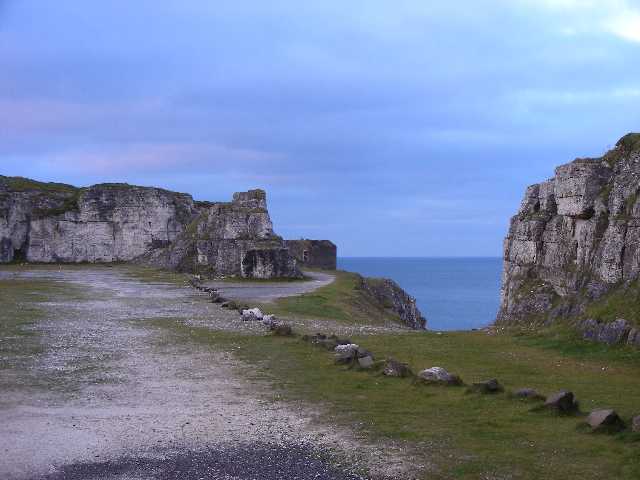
x: 439, y: 376
x: 635, y: 424
x: 528, y: 394
x: 575, y: 238
x: 562, y: 402
x: 44, y: 222
x: 605, y: 421
x: 393, y: 368
x: 487, y: 387
x: 613, y: 333
x: 314, y: 253
x: 390, y: 295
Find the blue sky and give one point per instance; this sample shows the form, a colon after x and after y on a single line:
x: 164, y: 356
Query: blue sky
x: 405, y: 128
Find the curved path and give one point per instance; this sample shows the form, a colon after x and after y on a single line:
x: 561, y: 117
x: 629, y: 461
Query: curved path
x: 111, y: 393
x: 266, y: 291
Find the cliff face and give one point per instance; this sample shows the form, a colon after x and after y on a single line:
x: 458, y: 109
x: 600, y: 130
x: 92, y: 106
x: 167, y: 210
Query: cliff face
x: 229, y: 239
x: 390, y: 295
x: 575, y: 239
x: 48, y: 223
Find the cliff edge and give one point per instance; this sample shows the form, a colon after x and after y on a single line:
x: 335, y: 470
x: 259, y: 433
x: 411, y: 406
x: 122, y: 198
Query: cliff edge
x: 574, y: 245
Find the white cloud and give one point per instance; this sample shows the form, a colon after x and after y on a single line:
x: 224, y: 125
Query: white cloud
x: 625, y: 25
x: 620, y: 18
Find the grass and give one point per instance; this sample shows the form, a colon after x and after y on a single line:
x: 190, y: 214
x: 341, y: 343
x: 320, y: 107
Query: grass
x: 465, y: 436
x: 622, y: 302
x: 20, y: 301
x: 21, y: 184
x: 342, y: 300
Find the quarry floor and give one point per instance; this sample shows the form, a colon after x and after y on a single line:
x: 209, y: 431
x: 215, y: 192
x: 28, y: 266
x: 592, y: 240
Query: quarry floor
x: 94, y: 385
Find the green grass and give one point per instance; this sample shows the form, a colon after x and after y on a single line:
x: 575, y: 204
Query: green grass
x: 466, y: 436
x: 622, y: 302
x: 341, y: 301
x: 20, y: 343
x: 21, y: 184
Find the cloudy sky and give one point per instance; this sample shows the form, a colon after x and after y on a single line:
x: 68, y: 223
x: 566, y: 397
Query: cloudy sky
x: 396, y: 128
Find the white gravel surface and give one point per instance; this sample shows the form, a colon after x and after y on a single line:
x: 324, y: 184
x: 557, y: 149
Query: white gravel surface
x: 111, y: 386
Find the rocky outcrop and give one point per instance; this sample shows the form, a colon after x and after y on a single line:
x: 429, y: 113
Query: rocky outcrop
x: 226, y: 239
x: 314, y: 253
x: 45, y: 222
x: 392, y: 297
x: 575, y: 239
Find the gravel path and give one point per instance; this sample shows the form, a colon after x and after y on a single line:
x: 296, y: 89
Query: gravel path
x: 262, y: 292
x: 111, y: 396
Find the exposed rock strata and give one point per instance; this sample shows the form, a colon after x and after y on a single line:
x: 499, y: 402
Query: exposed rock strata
x: 391, y: 296
x: 41, y: 222
x: 575, y: 238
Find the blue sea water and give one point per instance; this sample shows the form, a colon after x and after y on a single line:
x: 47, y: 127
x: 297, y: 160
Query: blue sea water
x: 452, y: 293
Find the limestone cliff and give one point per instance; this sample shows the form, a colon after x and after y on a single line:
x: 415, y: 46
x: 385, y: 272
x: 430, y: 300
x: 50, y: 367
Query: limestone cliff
x: 392, y: 297
x: 575, y: 240
x: 46, y: 222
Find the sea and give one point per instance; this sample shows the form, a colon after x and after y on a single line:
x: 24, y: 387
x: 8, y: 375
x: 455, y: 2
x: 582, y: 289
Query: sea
x: 452, y: 293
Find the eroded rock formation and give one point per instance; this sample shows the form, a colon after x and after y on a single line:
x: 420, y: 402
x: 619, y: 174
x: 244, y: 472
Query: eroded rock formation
x: 575, y: 239
x: 44, y: 222
x: 392, y: 297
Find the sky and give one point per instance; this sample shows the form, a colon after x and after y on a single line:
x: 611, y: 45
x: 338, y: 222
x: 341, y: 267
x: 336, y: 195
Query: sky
x: 404, y: 128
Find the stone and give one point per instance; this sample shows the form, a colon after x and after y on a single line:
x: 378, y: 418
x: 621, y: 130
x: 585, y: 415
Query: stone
x: 633, y: 340
x: 393, y: 368
x: 635, y: 424
x: 269, y: 321
x: 438, y: 375
x: 614, y: 333
x: 350, y: 347
x: 345, y: 354
x: 252, y: 315
x: 605, y: 421
x: 487, y: 387
x: 574, y: 240
x: 366, y: 361
x: 282, y: 330
x: 563, y: 402
x: 528, y: 394
x: 50, y: 223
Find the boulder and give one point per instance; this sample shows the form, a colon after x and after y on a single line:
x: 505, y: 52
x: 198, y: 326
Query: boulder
x: 614, y: 333
x: 563, y: 402
x: 393, y: 368
x: 366, y: 361
x: 633, y: 340
x: 528, y: 394
x: 590, y: 329
x: 635, y: 424
x: 283, y: 330
x: 252, y: 315
x: 487, y: 387
x: 438, y: 375
x: 346, y: 354
x: 350, y: 347
x: 270, y: 321
x: 606, y: 420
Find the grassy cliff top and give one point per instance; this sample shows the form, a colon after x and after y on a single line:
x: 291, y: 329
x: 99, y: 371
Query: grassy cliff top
x: 21, y: 184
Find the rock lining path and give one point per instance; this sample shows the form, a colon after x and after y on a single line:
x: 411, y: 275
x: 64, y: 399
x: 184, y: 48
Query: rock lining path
x: 112, y: 396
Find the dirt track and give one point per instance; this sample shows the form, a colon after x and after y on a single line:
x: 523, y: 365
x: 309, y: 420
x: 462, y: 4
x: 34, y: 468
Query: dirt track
x: 112, y: 396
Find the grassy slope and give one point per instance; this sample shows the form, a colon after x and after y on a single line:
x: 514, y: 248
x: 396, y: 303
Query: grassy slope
x: 465, y: 435
x: 342, y: 301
